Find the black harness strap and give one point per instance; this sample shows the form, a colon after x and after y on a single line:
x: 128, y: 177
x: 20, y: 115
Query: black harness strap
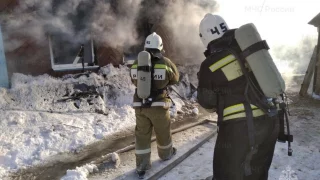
x: 149, y: 100
x: 144, y: 68
x: 290, y: 137
x: 281, y: 136
x: 254, y: 48
x: 261, y: 102
x: 251, y: 133
x: 220, y: 109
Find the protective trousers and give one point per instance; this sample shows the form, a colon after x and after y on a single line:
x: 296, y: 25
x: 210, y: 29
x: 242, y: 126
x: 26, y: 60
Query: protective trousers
x: 232, y: 146
x: 156, y: 118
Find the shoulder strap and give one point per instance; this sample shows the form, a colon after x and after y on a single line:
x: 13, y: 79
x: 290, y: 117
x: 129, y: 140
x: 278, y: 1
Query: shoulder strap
x: 254, y: 48
x: 152, y: 75
x: 220, y: 108
x: 251, y: 134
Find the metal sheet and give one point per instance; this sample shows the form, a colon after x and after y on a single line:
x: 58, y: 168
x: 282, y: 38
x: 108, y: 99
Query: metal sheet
x: 4, y: 79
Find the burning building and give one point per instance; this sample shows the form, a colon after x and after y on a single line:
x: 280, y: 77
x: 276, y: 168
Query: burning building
x: 58, y: 37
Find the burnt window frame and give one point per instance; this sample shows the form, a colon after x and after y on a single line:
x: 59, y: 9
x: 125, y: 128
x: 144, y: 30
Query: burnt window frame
x: 73, y: 66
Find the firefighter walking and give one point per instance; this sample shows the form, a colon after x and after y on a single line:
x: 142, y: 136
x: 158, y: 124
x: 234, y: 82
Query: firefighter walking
x: 151, y: 74
x: 248, y: 126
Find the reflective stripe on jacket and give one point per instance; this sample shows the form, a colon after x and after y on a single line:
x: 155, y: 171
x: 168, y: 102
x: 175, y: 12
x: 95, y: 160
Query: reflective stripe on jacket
x: 238, y: 111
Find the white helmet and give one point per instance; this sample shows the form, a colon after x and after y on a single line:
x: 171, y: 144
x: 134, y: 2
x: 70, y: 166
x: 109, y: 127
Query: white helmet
x: 212, y: 27
x: 153, y: 41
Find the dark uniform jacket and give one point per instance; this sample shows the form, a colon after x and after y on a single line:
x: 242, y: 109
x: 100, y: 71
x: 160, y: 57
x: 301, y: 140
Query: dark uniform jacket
x: 221, y: 81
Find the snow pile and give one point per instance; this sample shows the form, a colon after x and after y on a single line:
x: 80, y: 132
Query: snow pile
x: 110, y: 87
x: 35, y: 127
x: 315, y: 96
x: 29, y: 138
x: 195, y: 111
x: 191, y: 71
x: 116, y: 159
x: 177, y: 107
x: 80, y: 173
x: 185, y: 91
x: 120, y: 88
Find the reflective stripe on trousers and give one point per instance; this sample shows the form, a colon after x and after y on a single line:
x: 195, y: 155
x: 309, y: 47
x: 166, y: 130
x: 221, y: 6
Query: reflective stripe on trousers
x: 146, y: 151
x: 143, y: 151
x: 165, y: 147
x: 238, y: 111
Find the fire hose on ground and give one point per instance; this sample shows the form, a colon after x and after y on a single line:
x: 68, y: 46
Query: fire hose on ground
x: 163, y: 171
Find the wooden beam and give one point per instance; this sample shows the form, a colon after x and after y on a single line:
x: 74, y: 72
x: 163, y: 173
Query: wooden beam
x: 307, y: 78
x: 316, y: 88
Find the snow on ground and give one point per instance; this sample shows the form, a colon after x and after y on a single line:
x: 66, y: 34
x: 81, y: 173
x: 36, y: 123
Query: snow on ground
x: 316, y: 96
x: 305, y: 162
x: 29, y: 138
x: 305, y: 127
x: 197, y: 166
x: 35, y: 126
x: 43, y: 116
x: 183, y: 141
x: 80, y: 173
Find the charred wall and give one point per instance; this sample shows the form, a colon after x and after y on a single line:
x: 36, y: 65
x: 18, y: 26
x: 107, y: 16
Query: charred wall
x: 31, y: 56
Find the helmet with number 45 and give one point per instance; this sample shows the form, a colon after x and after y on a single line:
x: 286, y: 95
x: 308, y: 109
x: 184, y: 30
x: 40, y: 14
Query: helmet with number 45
x: 212, y: 27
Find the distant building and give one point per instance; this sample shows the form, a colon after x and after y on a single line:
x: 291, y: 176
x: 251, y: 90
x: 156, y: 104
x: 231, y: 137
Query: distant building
x: 316, y: 84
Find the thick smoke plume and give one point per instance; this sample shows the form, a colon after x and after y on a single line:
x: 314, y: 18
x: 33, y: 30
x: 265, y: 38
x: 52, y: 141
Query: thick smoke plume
x: 177, y: 22
x: 183, y: 18
x: 295, y: 57
x: 113, y: 23
x: 110, y: 22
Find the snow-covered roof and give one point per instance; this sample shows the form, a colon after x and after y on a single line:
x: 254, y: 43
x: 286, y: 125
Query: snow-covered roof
x: 315, y: 21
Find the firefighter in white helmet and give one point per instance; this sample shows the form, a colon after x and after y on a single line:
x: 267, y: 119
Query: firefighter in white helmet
x: 151, y: 102
x: 247, y: 135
